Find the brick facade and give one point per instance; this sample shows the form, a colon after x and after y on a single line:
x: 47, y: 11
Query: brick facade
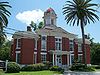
x: 50, y: 46
x: 27, y: 51
x: 56, y: 38
x: 75, y: 50
x: 65, y: 47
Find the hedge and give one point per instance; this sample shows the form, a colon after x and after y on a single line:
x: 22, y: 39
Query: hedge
x: 13, y: 67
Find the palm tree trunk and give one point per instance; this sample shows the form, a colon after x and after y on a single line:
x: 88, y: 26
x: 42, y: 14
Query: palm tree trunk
x: 83, y: 40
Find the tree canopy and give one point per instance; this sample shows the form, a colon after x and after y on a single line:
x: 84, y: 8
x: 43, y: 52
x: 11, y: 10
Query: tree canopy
x: 80, y: 12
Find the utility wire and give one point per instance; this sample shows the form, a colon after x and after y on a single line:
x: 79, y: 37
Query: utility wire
x: 13, y: 34
x: 12, y: 29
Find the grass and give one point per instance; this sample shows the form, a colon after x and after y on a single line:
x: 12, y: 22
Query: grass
x: 32, y: 73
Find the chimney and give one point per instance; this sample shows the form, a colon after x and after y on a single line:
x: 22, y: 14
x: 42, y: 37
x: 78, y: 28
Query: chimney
x: 29, y: 28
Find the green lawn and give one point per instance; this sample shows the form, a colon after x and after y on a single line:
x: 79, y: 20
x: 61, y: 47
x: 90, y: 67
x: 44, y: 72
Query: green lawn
x: 32, y: 73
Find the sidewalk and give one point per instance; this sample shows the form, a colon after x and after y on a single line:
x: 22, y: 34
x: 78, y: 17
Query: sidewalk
x: 80, y: 73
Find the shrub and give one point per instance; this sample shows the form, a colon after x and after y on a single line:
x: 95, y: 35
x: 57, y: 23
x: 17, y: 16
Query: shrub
x: 81, y: 67
x: 34, y: 67
x: 27, y: 68
x: 47, y: 65
x: 13, y: 67
x: 56, y: 68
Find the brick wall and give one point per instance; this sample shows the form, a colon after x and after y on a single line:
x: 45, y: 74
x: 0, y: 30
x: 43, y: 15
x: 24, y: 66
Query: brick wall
x: 27, y: 51
x: 65, y: 47
x: 39, y: 51
x: 75, y: 50
x: 50, y: 46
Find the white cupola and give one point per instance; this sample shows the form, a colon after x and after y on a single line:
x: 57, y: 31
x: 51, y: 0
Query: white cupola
x: 50, y: 17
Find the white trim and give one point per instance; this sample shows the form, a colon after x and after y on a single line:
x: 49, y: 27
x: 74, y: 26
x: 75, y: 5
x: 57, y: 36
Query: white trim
x: 71, y: 38
x: 43, y: 50
x: 42, y: 57
x: 18, y: 51
x: 88, y: 64
x: 58, y: 42
x: 70, y: 58
x: 44, y: 35
x: 80, y: 54
x: 43, y: 53
x: 35, y: 52
x: 59, y: 37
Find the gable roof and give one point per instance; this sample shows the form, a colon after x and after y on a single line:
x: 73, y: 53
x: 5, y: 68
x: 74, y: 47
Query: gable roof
x: 55, y: 31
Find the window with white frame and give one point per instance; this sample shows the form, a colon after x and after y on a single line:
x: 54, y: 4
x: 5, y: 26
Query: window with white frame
x: 17, y: 57
x: 43, y: 57
x: 58, y: 43
x: 80, y: 58
x: 43, y: 42
x: 72, y: 59
x: 18, y: 46
x: 79, y: 47
x: 35, y: 44
x: 71, y: 46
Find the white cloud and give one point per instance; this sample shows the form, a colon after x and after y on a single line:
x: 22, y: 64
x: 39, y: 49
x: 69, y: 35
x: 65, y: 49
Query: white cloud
x: 28, y: 16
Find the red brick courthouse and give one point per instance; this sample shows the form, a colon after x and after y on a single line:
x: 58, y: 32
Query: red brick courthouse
x: 51, y: 43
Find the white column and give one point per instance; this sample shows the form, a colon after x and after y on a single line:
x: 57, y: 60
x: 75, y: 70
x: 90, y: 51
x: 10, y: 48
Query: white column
x: 6, y: 65
x: 53, y: 59
x: 56, y: 59
x: 68, y: 59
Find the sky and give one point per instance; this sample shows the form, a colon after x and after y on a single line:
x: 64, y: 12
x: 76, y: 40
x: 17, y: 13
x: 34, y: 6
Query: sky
x: 23, y: 11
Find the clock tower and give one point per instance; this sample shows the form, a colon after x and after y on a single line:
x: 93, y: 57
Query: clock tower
x: 50, y: 17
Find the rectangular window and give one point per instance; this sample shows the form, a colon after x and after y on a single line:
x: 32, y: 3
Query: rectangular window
x: 52, y: 21
x: 72, y: 59
x: 58, y: 43
x: 18, y: 45
x: 17, y: 57
x: 43, y: 42
x: 79, y: 47
x: 71, y: 47
x: 35, y: 44
x: 80, y: 58
x: 47, y: 21
x: 43, y: 57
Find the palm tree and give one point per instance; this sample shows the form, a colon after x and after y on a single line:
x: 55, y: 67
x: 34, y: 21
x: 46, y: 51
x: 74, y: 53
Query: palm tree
x: 80, y: 12
x: 4, y: 13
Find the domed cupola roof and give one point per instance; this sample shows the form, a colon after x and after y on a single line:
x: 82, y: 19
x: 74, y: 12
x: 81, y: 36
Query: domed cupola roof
x: 50, y: 10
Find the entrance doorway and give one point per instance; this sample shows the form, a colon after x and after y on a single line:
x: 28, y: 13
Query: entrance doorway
x: 59, y: 60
